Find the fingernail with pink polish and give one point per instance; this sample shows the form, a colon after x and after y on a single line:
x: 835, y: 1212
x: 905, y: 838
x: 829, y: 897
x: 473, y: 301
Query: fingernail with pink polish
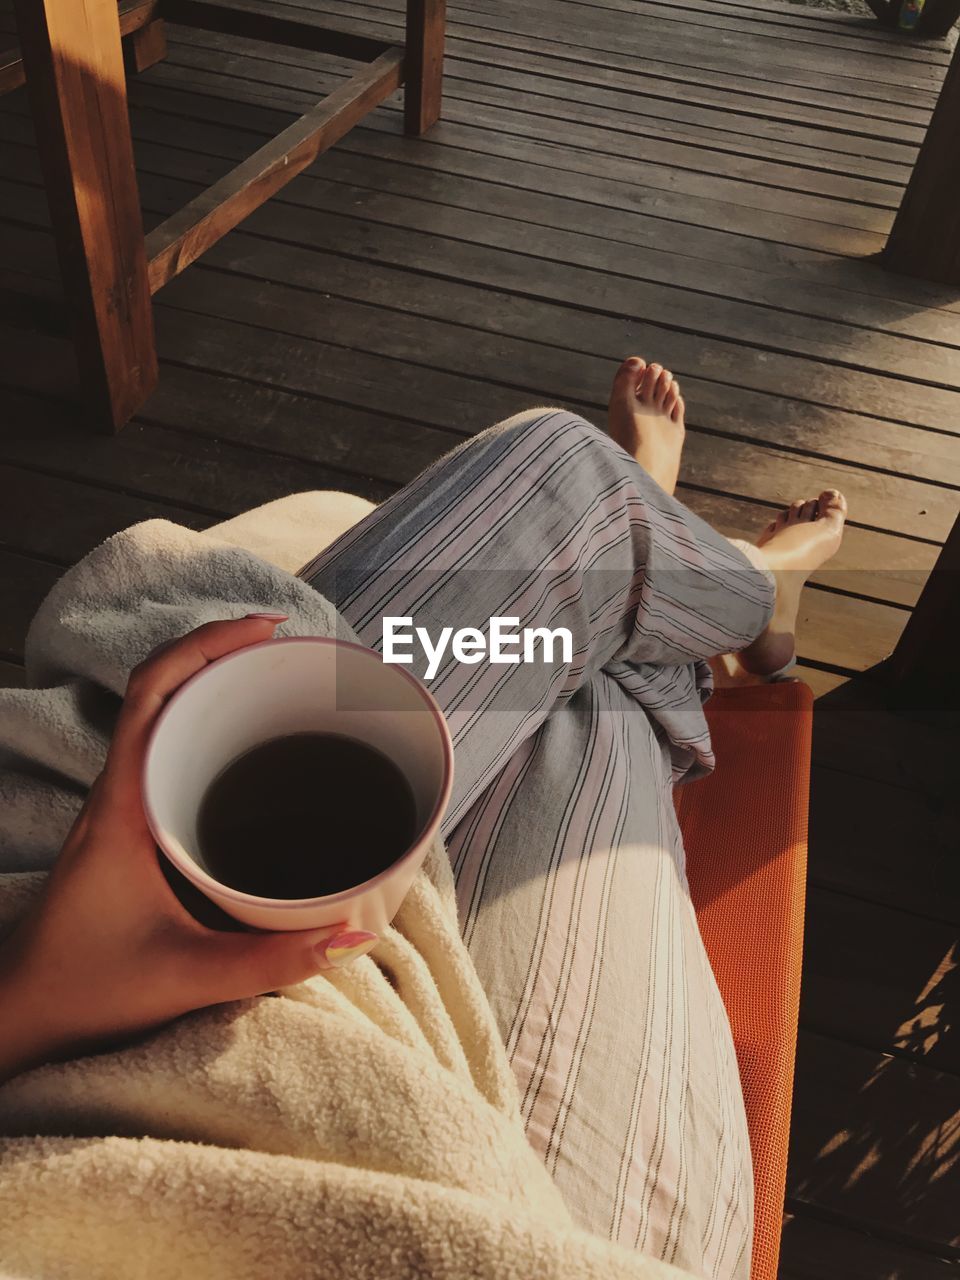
x: 270, y: 617
x: 344, y: 947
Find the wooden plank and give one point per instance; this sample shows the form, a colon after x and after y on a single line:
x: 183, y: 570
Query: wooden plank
x: 271, y: 441
x: 860, y: 828
x: 808, y: 1243
x: 423, y: 64
x: 880, y: 977
x: 600, y: 292
x: 11, y: 69
x: 692, y: 28
x: 765, y: 51
x: 838, y: 629
x: 866, y: 38
x: 72, y: 56
x: 12, y: 675
x: 86, y: 515
x: 758, y: 186
x: 732, y: 261
x: 532, y: 371
x: 832, y: 22
x: 594, y: 39
x: 872, y: 1139
x: 364, y: 441
x: 840, y: 128
x: 796, y: 87
x: 23, y: 585
x: 275, y: 444
x: 191, y: 231
x: 925, y: 239
x: 806, y: 152
x: 836, y: 28
x: 480, y: 212
x: 560, y: 168
x: 796, y: 244
x: 565, y: 355
x: 692, y: 310
x: 857, y: 733
x: 922, y: 555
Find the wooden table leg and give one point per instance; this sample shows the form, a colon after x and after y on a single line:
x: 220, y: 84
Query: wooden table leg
x: 925, y: 240
x: 74, y: 69
x: 426, y: 23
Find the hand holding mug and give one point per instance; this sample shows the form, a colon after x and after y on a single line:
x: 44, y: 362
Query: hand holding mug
x: 108, y: 950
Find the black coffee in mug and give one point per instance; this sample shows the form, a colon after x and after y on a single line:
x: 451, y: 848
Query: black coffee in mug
x: 305, y: 815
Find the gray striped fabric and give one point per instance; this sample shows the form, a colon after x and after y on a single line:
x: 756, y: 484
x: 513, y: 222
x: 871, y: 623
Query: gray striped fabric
x: 568, y: 859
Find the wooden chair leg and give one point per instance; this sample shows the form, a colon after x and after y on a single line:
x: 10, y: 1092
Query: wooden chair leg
x: 145, y: 46
x: 74, y: 68
x: 426, y: 22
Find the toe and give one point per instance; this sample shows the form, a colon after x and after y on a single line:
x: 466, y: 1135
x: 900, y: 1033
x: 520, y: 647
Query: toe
x: 809, y: 510
x: 664, y: 383
x: 629, y: 373
x: 677, y: 412
x: 649, y: 382
x: 794, y: 510
x: 832, y: 505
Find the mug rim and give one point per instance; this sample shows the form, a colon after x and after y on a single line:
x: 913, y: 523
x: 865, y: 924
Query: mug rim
x: 203, y: 880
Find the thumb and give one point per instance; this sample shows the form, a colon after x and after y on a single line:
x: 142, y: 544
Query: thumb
x: 250, y: 964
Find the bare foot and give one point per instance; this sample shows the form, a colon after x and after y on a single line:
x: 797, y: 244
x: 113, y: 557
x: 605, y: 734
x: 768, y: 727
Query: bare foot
x: 802, y: 538
x: 646, y: 417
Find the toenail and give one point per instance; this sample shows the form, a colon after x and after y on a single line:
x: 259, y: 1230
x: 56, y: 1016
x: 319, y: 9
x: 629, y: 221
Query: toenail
x: 634, y: 363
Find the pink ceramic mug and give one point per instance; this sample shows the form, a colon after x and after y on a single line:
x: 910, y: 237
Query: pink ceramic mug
x: 295, y: 685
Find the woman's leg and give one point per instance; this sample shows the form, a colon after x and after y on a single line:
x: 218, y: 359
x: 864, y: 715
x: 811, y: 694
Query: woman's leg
x: 574, y: 906
x: 547, y: 520
x: 565, y: 845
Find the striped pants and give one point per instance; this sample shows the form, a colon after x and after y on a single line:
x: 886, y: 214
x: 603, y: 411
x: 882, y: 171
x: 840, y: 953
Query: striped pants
x: 567, y: 856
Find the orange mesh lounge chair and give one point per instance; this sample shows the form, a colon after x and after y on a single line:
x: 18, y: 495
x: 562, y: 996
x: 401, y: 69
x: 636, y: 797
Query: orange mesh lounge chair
x: 745, y: 831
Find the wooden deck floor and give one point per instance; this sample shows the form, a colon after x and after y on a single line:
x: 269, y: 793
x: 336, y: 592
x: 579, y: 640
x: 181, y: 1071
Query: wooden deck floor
x: 697, y: 181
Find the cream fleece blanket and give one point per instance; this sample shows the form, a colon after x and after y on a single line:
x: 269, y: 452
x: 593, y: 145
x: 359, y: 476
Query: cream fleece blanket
x: 360, y: 1125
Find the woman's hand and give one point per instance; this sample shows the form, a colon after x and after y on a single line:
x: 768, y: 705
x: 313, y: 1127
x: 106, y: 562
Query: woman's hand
x: 108, y: 950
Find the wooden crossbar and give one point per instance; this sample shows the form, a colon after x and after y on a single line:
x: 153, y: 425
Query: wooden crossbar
x: 189, y: 232
x: 74, y: 69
